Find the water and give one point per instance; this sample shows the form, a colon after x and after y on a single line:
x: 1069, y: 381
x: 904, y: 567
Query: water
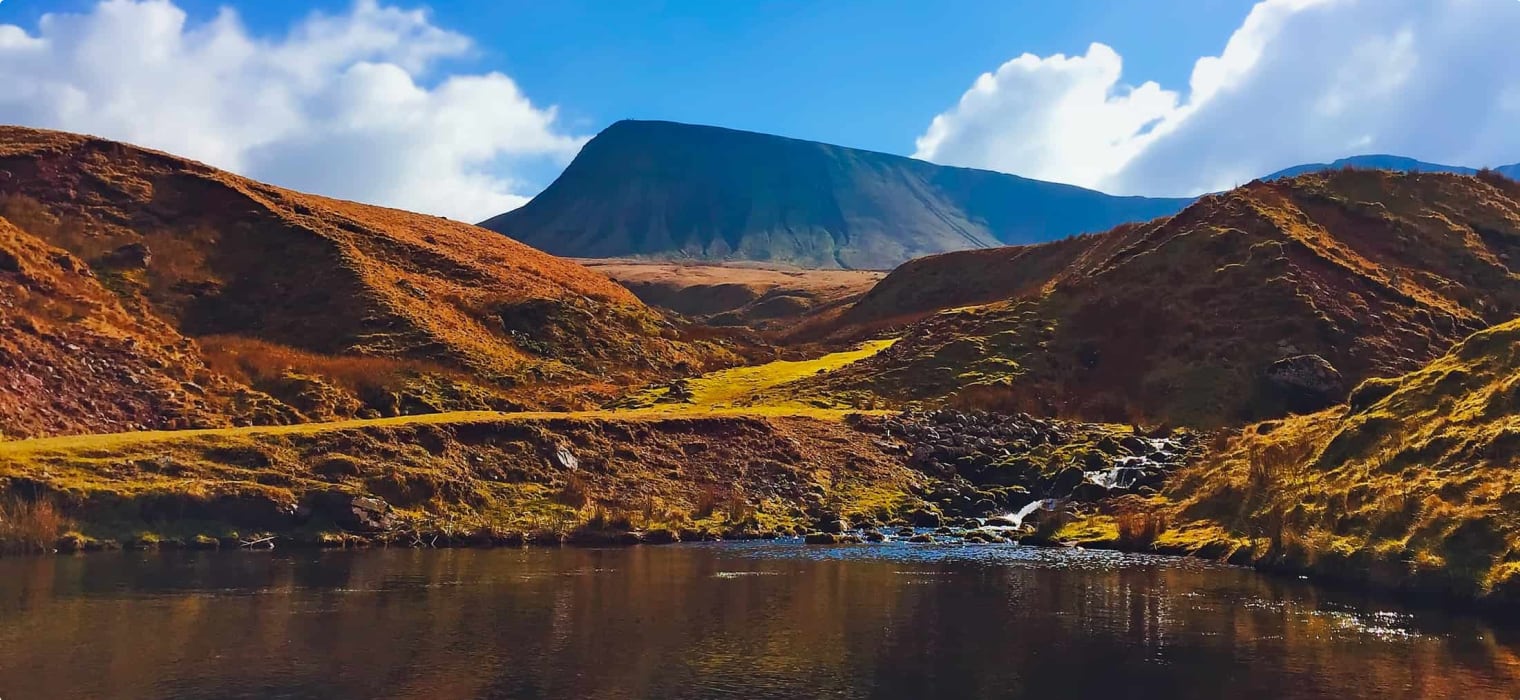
x: 739, y: 620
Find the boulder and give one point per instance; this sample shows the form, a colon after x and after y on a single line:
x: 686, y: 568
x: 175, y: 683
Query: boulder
x: 354, y: 513
x: 821, y: 538
x: 1067, y: 480
x: 132, y: 256
x: 564, y: 458
x: 833, y: 526
x: 1306, y: 382
x: 924, y: 518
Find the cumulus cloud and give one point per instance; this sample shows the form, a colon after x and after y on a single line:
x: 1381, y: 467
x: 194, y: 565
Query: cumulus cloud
x: 345, y: 105
x: 1299, y: 81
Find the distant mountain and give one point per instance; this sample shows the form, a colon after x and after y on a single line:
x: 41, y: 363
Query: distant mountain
x: 664, y: 190
x: 1387, y: 162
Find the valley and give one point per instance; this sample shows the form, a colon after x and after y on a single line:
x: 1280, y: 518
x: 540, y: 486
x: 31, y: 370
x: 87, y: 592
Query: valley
x: 1309, y: 375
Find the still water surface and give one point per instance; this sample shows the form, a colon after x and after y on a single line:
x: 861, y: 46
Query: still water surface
x: 740, y: 620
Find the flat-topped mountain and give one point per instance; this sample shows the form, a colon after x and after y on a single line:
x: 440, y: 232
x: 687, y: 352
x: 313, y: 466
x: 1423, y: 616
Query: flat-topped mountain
x: 664, y: 190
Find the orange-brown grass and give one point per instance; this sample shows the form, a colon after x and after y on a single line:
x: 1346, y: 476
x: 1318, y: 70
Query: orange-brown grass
x: 30, y: 526
x: 257, y: 361
x: 1177, y: 320
x: 1138, y: 522
x: 77, y: 360
x: 229, y: 256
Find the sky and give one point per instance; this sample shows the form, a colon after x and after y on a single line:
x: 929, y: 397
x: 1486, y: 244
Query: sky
x: 467, y: 108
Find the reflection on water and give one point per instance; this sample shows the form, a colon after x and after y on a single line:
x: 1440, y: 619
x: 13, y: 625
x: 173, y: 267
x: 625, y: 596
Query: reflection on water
x: 745, y: 620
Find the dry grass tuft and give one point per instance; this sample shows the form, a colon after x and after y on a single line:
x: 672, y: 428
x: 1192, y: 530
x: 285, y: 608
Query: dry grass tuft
x: 30, y: 526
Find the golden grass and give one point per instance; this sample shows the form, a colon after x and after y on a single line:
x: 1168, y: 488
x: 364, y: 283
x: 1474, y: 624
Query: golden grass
x: 1416, y: 485
x: 761, y: 387
x: 108, y: 442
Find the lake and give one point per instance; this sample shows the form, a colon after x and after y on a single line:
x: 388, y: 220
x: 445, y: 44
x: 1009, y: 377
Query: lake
x: 724, y: 620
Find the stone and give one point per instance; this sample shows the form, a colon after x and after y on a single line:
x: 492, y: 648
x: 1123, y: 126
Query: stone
x: 924, y: 517
x: 821, y: 538
x: 1087, y: 491
x: 354, y: 513
x: 921, y: 538
x: 660, y: 535
x: 1137, y: 445
x: 1065, y: 481
x: 564, y: 458
x: 132, y: 256
x: 833, y: 526
x: 1307, y: 382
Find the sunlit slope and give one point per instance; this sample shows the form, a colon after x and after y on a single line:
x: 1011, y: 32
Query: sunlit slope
x: 1415, y: 484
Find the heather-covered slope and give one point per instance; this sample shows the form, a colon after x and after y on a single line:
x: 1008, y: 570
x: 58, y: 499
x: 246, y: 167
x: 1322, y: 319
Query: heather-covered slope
x: 73, y: 360
x: 1415, y: 484
x: 338, y: 308
x: 675, y: 191
x: 1183, y: 319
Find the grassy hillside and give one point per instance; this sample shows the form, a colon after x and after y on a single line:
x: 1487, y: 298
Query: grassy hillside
x: 763, y: 298
x: 487, y: 477
x: 73, y: 360
x: 1182, y: 319
x: 1415, y: 484
x: 335, y: 308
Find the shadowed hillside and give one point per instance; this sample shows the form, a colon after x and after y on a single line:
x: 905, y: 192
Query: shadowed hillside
x: 674, y: 191
x: 336, y: 308
x: 1183, y: 319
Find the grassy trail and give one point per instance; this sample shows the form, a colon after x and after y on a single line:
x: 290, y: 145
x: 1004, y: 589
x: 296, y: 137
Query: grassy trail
x: 737, y: 392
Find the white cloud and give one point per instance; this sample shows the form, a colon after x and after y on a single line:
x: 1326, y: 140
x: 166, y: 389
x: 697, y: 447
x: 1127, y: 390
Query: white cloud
x: 1299, y: 81
x: 344, y: 105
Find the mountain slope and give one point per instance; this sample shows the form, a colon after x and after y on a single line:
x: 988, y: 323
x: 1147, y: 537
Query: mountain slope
x: 73, y: 360
x: 1412, y: 485
x: 1388, y: 162
x: 462, y: 318
x: 1183, y: 319
x: 676, y: 191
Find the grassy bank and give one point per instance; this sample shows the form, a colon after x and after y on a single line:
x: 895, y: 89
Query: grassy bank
x: 494, y: 477
x: 1413, y: 486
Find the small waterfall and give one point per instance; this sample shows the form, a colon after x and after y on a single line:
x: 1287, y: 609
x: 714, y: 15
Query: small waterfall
x: 1017, y: 519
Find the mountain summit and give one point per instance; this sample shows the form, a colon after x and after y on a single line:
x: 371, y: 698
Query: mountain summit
x: 665, y: 190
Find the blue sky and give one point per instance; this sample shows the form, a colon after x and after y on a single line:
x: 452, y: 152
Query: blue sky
x: 862, y: 73
x: 467, y: 109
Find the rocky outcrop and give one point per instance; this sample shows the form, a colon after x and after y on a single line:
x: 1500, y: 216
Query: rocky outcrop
x: 986, y: 463
x: 1307, y: 383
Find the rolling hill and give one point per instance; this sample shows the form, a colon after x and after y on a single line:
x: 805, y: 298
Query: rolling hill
x: 1388, y: 162
x: 664, y: 190
x: 337, y: 309
x: 1186, y: 319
